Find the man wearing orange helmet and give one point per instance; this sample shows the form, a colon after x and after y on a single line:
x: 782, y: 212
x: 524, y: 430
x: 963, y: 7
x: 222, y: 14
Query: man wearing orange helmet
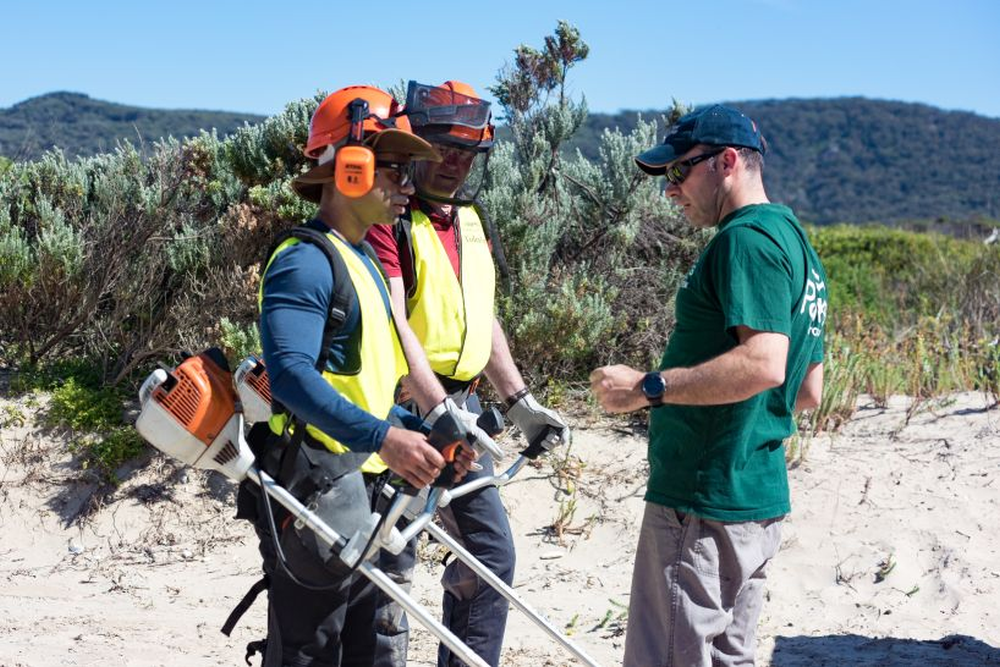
x: 331, y: 436
x: 442, y: 278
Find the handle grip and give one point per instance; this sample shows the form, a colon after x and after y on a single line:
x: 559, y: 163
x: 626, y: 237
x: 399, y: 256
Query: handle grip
x: 492, y: 422
x: 447, y: 437
x: 542, y: 443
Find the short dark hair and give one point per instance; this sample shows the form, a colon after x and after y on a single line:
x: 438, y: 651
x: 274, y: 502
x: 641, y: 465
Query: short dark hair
x: 753, y: 159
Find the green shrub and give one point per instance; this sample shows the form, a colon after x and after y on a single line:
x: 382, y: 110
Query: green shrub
x: 94, y: 415
x: 238, y: 341
x: 106, y: 452
x: 84, y: 408
x: 916, y: 307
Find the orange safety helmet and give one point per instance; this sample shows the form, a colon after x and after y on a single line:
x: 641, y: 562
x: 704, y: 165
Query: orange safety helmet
x: 451, y: 113
x: 381, y: 127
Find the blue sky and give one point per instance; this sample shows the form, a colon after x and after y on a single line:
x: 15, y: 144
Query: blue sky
x: 248, y: 56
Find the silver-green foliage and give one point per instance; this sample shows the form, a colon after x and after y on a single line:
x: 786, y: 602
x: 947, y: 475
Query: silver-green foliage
x: 130, y: 255
x: 271, y: 150
x: 594, y: 247
x: 17, y: 257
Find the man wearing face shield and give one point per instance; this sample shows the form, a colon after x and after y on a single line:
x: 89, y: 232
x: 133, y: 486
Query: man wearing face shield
x: 442, y: 284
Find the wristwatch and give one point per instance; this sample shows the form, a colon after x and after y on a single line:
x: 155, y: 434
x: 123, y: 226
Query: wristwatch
x: 653, y: 386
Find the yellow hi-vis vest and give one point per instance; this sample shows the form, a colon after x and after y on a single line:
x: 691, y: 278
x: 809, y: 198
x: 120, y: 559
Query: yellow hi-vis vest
x: 451, y: 316
x: 373, y: 387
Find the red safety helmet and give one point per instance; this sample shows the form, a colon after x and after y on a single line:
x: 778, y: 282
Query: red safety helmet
x: 382, y: 129
x: 451, y: 113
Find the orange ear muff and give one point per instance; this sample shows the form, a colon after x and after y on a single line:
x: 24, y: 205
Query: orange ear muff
x: 354, y: 170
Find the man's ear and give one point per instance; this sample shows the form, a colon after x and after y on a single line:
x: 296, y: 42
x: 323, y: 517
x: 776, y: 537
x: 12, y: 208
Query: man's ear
x: 727, y: 159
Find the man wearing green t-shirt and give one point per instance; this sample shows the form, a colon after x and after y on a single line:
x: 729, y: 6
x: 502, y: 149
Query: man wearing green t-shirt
x: 745, y: 353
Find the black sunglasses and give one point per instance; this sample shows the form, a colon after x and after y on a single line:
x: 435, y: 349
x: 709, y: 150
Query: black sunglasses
x: 401, y: 171
x: 677, y: 172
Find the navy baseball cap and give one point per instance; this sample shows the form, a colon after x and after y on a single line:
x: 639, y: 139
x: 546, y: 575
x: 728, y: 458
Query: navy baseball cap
x: 716, y: 125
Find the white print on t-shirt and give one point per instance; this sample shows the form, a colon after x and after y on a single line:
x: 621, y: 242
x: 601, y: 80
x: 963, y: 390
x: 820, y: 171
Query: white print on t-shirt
x: 684, y: 283
x: 815, y: 299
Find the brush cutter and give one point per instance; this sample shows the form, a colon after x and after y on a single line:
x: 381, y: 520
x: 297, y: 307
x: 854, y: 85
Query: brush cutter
x: 189, y: 413
x: 419, y: 508
x: 193, y: 414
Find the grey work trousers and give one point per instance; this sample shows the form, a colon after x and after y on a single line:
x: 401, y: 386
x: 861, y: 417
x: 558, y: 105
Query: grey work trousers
x: 697, y: 590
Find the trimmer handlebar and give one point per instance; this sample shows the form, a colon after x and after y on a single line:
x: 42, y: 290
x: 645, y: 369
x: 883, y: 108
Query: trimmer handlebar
x: 447, y: 437
x: 491, y: 421
x: 543, y: 443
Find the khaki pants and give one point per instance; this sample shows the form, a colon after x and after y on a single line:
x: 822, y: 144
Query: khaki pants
x: 697, y: 590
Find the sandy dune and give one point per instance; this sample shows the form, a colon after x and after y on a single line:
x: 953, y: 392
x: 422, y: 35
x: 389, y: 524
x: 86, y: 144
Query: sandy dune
x: 890, y: 556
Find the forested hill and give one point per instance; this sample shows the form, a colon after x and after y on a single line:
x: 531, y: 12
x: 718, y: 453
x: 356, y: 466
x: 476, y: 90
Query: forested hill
x: 843, y: 159
x: 84, y: 126
x: 859, y: 160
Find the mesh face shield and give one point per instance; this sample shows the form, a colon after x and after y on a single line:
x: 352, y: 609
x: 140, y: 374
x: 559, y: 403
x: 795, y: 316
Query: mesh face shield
x: 459, y: 126
x: 457, y: 179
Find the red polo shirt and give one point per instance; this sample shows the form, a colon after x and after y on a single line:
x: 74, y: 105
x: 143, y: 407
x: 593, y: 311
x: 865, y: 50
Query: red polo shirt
x: 396, y: 258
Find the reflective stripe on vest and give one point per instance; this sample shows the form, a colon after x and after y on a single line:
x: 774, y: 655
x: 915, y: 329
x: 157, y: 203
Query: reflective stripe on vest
x: 373, y: 388
x: 452, y: 318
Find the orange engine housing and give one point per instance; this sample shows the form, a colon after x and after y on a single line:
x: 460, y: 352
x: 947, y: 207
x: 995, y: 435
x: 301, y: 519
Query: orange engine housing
x: 201, y: 397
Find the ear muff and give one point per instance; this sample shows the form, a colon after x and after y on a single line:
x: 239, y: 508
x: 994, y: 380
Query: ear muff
x: 354, y: 165
x: 354, y: 171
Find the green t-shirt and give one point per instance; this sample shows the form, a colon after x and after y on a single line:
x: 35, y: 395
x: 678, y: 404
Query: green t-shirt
x: 727, y: 462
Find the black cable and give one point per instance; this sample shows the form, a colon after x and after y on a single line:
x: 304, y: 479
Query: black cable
x: 282, y: 561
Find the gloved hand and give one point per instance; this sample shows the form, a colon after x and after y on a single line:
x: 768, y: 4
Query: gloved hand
x: 543, y: 428
x: 476, y: 436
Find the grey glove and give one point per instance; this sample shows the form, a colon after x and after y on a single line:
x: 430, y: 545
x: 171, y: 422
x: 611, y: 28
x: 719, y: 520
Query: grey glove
x: 476, y: 436
x: 543, y: 428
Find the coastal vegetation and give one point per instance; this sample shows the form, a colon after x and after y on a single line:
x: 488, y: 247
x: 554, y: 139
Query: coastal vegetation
x: 112, y: 263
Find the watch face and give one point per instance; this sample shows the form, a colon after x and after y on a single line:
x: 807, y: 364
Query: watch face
x: 653, y: 385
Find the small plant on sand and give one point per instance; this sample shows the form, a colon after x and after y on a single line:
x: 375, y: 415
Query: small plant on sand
x: 571, y: 626
x: 566, y: 472
x: 614, y: 618
x: 842, y: 382
x: 885, y: 567
x: 11, y: 416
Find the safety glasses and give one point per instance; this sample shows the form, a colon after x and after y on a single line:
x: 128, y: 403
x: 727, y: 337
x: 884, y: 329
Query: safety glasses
x: 678, y: 171
x: 454, y: 153
x: 399, y: 173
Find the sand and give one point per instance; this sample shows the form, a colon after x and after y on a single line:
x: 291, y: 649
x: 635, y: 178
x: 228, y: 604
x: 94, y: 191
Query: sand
x: 890, y: 555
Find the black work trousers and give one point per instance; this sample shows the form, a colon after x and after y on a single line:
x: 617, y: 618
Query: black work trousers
x: 306, y: 627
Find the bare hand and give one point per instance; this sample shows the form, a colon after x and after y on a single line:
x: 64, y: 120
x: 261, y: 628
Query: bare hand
x: 465, y: 459
x: 408, y: 454
x: 618, y: 388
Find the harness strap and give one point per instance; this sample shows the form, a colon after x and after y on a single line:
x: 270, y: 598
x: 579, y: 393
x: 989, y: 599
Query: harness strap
x: 341, y: 301
x: 234, y: 616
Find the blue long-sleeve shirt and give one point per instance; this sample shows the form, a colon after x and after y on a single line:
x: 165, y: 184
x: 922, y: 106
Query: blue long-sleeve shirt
x: 297, y: 289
